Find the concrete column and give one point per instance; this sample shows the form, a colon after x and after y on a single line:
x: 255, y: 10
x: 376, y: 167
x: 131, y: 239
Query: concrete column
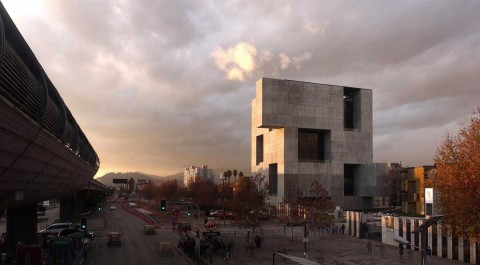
x: 461, y: 254
x: 67, y: 209
x: 404, y: 227
x: 347, y: 227
x: 412, y: 236
x: 449, y: 247
x: 358, y: 224
x: 354, y: 224
x: 21, y: 227
x: 420, y: 222
x: 439, y: 241
x: 473, y: 251
x: 396, y: 227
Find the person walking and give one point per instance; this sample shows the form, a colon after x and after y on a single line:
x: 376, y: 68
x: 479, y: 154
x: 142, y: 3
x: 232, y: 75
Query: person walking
x: 369, y: 247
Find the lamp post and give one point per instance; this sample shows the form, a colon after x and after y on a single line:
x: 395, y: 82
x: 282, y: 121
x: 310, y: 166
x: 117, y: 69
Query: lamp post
x: 223, y: 178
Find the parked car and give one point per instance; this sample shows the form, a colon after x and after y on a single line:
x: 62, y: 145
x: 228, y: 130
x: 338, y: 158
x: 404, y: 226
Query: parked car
x: 55, y: 228
x: 114, y: 239
x: 165, y: 249
x: 149, y: 229
x: 113, y: 207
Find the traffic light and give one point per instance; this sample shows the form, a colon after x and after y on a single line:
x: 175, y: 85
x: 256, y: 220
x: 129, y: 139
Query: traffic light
x: 163, y: 205
x: 83, y: 223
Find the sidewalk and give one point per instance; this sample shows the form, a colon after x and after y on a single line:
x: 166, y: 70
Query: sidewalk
x: 324, y: 249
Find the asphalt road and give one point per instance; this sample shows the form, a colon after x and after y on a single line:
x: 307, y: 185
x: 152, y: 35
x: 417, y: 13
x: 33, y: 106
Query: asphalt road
x: 137, y: 248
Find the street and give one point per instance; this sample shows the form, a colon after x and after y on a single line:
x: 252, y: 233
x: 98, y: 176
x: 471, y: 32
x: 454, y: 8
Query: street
x: 137, y: 248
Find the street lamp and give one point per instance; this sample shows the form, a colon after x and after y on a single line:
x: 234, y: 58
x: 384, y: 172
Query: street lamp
x: 223, y: 178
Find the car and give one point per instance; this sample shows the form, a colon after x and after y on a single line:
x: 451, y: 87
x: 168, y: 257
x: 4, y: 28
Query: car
x: 75, y: 232
x: 165, y: 249
x: 149, y: 229
x: 184, y: 227
x: 114, y: 239
x: 55, y: 228
x: 113, y: 207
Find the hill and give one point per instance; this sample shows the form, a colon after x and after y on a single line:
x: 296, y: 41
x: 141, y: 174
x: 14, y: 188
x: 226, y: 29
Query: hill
x: 107, y: 179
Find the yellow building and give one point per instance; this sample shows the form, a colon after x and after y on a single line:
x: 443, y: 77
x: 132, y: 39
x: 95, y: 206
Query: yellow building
x: 413, y: 189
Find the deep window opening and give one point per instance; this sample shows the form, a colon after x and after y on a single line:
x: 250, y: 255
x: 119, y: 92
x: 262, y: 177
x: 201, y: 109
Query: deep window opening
x: 351, y: 108
x: 272, y: 178
x: 259, y: 155
x: 313, y: 145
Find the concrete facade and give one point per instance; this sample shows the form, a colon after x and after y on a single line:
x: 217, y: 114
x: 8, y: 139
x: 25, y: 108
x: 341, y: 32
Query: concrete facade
x: 284, y: 109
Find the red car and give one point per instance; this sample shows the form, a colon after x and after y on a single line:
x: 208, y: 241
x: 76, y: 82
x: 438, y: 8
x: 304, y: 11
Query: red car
x: 114, y: 239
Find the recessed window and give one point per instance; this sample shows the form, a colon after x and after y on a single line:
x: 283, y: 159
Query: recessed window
x: 272, y: 178
x: 259, y: 152
x: 313, y: 145
x: 351, y: 108
x: 349, y: 172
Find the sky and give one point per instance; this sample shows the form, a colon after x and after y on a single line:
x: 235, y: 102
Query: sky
x: 160, y: 85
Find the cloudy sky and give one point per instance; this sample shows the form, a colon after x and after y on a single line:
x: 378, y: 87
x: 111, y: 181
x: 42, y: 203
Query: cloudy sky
x: 160, y: 85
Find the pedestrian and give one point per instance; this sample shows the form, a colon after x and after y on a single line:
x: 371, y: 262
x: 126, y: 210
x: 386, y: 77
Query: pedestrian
x: 369, y: 247
x: 400, y: 251
x: 429, y: 253
x: 343, y: 229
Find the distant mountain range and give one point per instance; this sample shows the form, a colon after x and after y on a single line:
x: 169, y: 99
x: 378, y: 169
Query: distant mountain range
x: 107, y: 179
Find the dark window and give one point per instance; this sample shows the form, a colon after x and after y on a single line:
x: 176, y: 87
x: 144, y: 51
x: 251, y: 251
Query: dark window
x: 348, y: 179
x: 259, y: 149
x: 272, y: 179
x: 313, y: 145
x: 351, y: 108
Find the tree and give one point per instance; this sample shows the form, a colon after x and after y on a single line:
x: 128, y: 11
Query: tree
x: 235, y: 176
x: 131, y: 184
x: 389, y: 186
x: 251, y: 196
x: 292, y: 193
x: 168, y: 190
x: 318, y: 206
x: 458, y: 178
x: 203, y: 192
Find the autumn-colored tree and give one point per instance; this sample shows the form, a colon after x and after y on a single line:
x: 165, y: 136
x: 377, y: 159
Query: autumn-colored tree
x: 251, y: 196
x: 203, y: 192
x: 148, y: 191
x: 318, y: 206
x: 458, y: 178
x: 168, y: 190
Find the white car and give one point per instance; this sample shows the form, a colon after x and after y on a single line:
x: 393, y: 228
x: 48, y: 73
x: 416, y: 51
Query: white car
x: 55, y: 228
x: 113, y: 207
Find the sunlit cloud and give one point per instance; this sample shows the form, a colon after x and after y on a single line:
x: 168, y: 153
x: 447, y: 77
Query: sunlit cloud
x: 236, y: 61
x: 284, y: 60
x: 314, y: 28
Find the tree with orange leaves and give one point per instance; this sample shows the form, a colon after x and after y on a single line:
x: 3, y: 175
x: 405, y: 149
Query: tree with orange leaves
x: 458, y: 178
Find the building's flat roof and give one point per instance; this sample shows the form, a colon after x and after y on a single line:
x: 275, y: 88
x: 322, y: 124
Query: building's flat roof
x: 314, y: 83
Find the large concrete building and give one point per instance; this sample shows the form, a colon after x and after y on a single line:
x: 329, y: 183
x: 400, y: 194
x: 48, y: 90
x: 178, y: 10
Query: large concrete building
x: 193, y: 173
x: 304, y: 131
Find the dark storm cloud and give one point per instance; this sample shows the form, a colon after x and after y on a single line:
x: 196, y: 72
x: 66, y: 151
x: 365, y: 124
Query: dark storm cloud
x: 159, y: 85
